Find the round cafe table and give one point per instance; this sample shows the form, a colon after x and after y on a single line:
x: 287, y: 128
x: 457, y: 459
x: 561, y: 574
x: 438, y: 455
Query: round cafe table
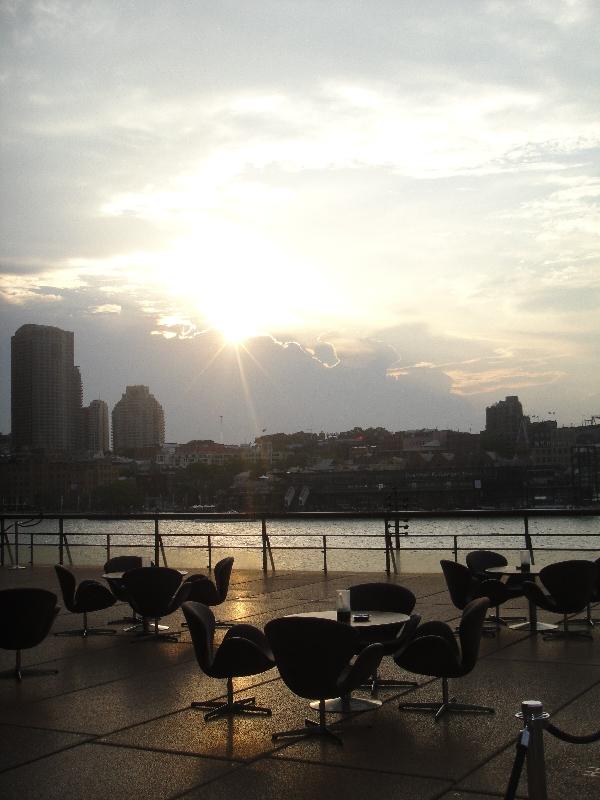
x: 386, y: 622
x: 533, y: 625
x: 138, y: 623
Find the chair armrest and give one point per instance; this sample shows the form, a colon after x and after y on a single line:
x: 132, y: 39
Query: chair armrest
x: 94, y: 594
x: 430, y: 655
x: 238, y: 656
x: 180, y: 596
x: 249, y: 632
x: 360, y: 671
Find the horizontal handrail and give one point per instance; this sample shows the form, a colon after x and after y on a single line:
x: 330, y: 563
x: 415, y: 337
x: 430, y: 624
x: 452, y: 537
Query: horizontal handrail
x: 393, y: 539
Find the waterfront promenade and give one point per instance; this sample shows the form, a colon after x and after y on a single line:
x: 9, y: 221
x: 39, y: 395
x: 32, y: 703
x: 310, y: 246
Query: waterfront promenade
x: 116, y: 722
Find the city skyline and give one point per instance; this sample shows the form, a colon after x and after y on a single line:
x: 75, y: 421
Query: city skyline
x: 307, y: 216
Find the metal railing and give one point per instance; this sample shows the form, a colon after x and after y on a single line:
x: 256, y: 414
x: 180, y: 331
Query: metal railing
x: 19, y: 531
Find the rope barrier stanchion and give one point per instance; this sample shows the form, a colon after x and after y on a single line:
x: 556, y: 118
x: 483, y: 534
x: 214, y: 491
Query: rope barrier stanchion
x: 515, y: 775
x: 530, y: 745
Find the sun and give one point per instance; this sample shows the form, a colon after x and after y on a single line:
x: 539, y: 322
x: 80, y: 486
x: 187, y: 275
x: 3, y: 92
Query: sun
x: 235, y: 331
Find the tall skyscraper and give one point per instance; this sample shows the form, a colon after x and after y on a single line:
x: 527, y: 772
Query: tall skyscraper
x: 506, y: 422
x: 46, y: 391
x: 95, y: 427
x: 138, y: 422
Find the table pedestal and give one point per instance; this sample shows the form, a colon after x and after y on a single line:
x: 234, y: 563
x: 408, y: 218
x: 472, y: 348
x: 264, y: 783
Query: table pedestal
x: 532, y: 625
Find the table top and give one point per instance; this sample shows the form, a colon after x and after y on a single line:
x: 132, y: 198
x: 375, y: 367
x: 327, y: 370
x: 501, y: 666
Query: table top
x: 514, y: 570
x: 116, y: 576
x: 376, y: 618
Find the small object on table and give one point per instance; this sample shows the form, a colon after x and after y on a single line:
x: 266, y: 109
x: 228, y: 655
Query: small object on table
x: 343, y: 605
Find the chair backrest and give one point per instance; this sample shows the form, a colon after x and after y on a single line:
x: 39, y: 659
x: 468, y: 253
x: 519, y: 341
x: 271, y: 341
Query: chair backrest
x: 27, y: 616
x: 459, y: 581
x: 222, y: 576
x: 480, y: 560
x: 123, y: 563
x: 469, y: 631
x: 381, y: 597
x: 311, y: 653
x: 151, y: 589
x: 570, y: 583
x: 201, y: 624
x: 68, y: 584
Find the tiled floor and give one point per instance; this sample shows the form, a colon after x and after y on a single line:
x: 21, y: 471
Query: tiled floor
x: 116, y: 721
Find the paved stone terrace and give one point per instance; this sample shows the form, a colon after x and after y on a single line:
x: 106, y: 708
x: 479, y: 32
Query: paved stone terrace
x: 116, y: 721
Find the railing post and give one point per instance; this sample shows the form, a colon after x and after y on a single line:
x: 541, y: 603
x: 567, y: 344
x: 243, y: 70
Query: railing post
x: 209, y: 543
x: 263, y: 525
x: 31, y: 548
x: 108, y: 546
x: 528, y: 542
x: 16, y: 565
x: 388, y: 545
x: 2, y: 535
x: 156, y: 542
x: 61, y: 547
x: 455, y: 547
x: 325, y: 554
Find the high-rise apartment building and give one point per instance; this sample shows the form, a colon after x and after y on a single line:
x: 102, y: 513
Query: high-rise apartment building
x: 138, y: 422
x: 46, y: 391
x: 506, y: 423
x: 95, y: 428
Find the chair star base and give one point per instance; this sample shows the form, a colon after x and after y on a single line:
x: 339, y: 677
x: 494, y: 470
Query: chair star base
x: 218, y: 709
x: 443, y: 708
x: 310, y: 729
x: 565, y: 632
x: 348, y: 704
x: 150, y: 631
x: 502, y: 621
x: 19, y: 672
x: 84, y: 632
x: 447, y: 705
x: 377, y: 683
x: 568, y: 635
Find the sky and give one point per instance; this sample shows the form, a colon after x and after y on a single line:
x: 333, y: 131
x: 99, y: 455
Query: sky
x: 311, y: 215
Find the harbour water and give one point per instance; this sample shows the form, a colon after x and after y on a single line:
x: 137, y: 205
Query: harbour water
x: 350, y: 544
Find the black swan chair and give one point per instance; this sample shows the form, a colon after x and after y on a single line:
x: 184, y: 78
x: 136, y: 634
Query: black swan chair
x: 478, y: 561
x: 385, y: 597
x: 434, y: 651
x: 155, y: 592
x: 314, y: 659
x: 121, y: 564
x: 27, y: 616
x: 243, y: 651
x: 464, y: 587
x: 88, y: 596
x: 212, y: 594
x: 595, y: 598
x: 570, y: 587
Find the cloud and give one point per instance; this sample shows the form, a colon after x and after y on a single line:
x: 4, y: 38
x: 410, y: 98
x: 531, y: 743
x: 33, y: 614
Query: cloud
x: 107, y: 308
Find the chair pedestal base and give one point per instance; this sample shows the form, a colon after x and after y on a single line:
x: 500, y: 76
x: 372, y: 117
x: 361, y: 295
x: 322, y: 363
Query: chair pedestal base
x: 83, y: 632
x: 564, y: 632
x: 311, y: 728
x: 246, y: 705
x: 346, y: 704
x: 19, y: 672
x: 447, y: 705
x: 150, y: 632
x: 86, y: 631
